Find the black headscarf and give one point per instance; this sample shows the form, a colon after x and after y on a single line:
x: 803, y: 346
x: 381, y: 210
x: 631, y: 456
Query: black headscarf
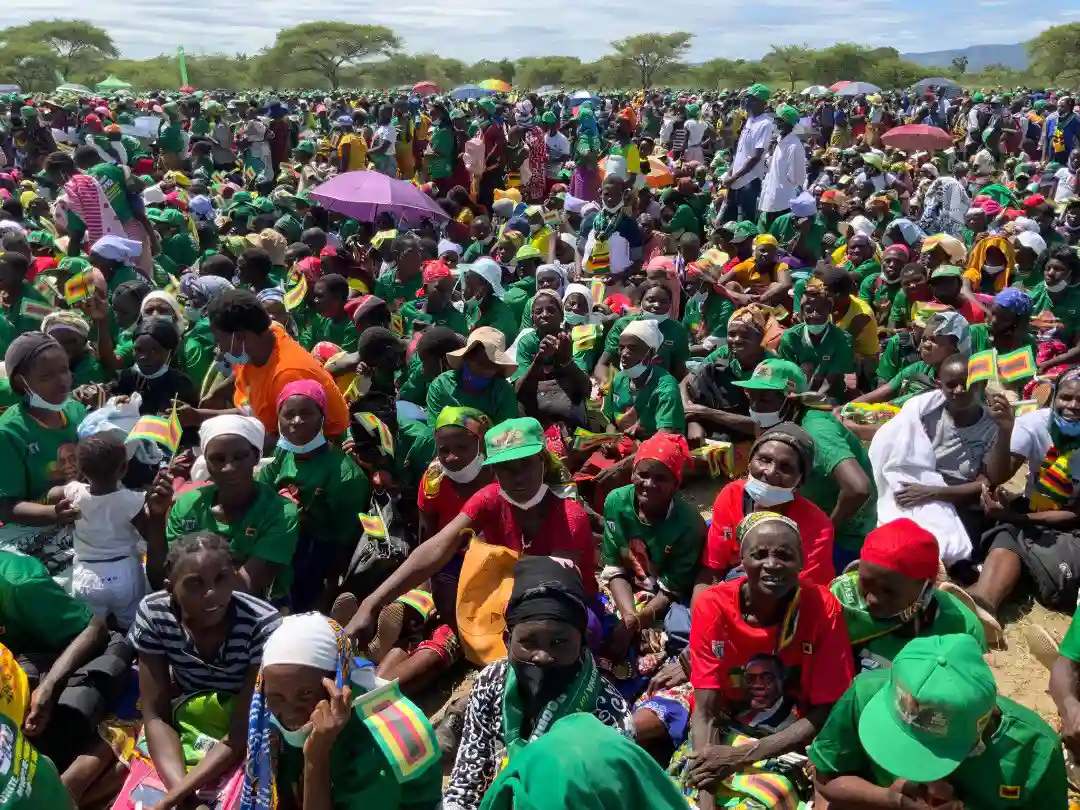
x: 25, y: 348
x: 544, y: 589
x: 794, y: 437
x: 162, y: 330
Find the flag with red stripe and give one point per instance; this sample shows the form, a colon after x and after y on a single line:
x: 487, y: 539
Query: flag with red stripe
x: 401, y: 730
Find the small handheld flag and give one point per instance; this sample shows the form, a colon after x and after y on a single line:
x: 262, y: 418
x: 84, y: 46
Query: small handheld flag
x: 376, y: 427
x: 418, y: 600
x: 78, y: 288
x: 401, y: 730
x: 1025, y: 406
x: 598, y: 290
x: 295, y: 297
x: 599, y: 260
x: 34, y: 309
x: 372, y: 525
x: 584, y: 337
x: 165, y: 432
x: 982, y: 367
x: 1018, y: 365
x: 47, y: 287
x: 551, y: 218
x: 397, y: 324
x: 588, y: 440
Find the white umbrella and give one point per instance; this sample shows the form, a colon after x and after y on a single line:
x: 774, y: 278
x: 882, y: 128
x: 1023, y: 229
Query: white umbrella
x: 816, y: 90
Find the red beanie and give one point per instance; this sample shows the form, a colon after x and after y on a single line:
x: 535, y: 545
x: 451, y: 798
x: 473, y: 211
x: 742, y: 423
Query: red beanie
x: 902, y: 546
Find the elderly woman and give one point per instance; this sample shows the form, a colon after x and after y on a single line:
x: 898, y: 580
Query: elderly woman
x: 945, y: 206
x: 780, y: 461
x: 674, y: 349
x: 585, y: 324
x: 890, y: 597
x: 713, y: 404
x: 37, y: 443
x: 991, y: 265
x: 550, y: 277
x: 332, y: 753
x: 329, y: 488
x: 259, y: 523
x: 769, y: 656
x: 197, y: 348
x: 477, y: 378
x: 199, y: 638
x: 549, y: 673
x: 484, y: 293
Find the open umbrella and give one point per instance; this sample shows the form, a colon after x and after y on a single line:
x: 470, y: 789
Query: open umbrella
x: 857, y: 89
x: 940, y: 84
x: 495, y: 85
x: 425, y: 88
x: 364, y: 195
x: 836, y: 88
x: 917, y: 138
x: 187, y: 89
x: 467, y: 92
x: 659, y: 175
x: 816, y: 90
x: 581, y: 96
x: 68, y: 87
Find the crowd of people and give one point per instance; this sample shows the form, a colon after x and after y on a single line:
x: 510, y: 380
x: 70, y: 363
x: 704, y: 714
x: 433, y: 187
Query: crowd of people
x: 273, y: 478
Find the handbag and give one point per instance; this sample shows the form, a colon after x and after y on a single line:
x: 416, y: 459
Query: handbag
x: 484, y: 585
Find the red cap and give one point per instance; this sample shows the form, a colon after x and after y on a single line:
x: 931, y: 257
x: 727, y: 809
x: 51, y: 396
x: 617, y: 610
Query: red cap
x: 902, y: 546
x: 1034, y: 201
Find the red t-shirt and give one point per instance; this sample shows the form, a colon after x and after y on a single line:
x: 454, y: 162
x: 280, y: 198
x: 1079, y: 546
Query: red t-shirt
x: 440, y: 501
x: 817, y: 532
x: 817, y: 658
x: 564, y: 533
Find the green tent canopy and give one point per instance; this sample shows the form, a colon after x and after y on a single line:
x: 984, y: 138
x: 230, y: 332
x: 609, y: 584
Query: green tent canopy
x: 112, y: 84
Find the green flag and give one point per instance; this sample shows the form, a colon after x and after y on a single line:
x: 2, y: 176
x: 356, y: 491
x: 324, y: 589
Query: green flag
x: 183, y: 66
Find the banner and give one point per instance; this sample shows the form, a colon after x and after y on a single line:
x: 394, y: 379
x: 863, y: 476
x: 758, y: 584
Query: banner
x: 183, y: 66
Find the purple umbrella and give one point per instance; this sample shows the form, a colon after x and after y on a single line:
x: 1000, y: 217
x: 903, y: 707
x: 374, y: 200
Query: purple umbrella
x: 363, y: 195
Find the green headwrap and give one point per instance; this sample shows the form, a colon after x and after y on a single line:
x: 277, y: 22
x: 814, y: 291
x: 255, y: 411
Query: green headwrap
x: 474, y: 421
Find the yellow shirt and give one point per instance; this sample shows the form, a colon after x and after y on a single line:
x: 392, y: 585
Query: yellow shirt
x: 357, y: 151
x: 866, y: 342
x: 752, y: 279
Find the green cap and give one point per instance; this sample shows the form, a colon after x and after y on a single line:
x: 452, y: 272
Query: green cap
x: 741, y: 231
x: 774, y: 374
x: 759, y: 91
x: 978, y: 98
x: 40, y: 238
x: 514, y: 439
x: 74, y: 265
x: 940, y: 696
x: 947, y: 271
x: 788, y: 114
x: 167, y: 216
x: 548, y: 118
x: 527, y: 252
x: 307, y: 147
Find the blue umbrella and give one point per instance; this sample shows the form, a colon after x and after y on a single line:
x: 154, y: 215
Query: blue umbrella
x: 467, y: 92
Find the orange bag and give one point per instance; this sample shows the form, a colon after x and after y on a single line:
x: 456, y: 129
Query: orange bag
x: 487, y: 576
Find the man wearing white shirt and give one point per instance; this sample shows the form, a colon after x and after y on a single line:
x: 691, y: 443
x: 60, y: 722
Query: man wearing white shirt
x: 785, y: 177
x: 743, y: 181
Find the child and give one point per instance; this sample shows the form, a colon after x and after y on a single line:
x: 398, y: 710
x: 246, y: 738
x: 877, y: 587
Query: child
x: 331, y: 322
x: 108, y: 573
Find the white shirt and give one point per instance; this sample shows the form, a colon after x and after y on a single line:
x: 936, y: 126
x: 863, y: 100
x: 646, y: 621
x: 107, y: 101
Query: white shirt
x: 1031, y: 439
x: 785, y: 176
x: 756, y: 134
x: 695, y: 130
x: 558, y: 151
x: 1063, y: 191
x: 103, y: 530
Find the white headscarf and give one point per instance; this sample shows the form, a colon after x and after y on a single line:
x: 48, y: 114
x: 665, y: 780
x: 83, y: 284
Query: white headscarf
x: 554, y: 269
x: 169, y: 300
x: 116, y: 248
x: 248, y: 427
x: 489, y: 270
x: 306, y: 639
x: 581, y: 289
x: 648, y: 332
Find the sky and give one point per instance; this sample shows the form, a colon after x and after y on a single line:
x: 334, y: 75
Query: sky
x: 496, y: 29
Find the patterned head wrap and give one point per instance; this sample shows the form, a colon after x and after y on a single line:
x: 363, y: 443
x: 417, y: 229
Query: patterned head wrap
x: 751, y: 315
x: 755, y: 519
x: 474, y: 421
x: 1015, y: 300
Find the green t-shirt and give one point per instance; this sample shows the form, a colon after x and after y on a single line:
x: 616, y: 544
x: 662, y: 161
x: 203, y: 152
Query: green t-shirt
x: 900, y: 351
x: 667, y: 553
x: 498, y: 400
x: 519, y: 297
x: 981, y: 339
x: 711, y: 319
x: 36, y: 458
x: 395, y: 292
x: 675, y: 349
x: 441, y: 161
x: 268, y: 531
x: 588, y: 345
x: 339, y: 332
x: 657, y: 402
x: 832, y: 355
x: 197, y: 351
x: 414, y: 385
x: 911, y: 381
x: 880, y: 297
x: 13, y: 313
x: 8, y: 397
x: 36, y: 614
x: 834, y: 443
x: 734, y: 366
x: 125, y: 346
x: 414, y: 312
x: 332, y: 490
x: 171, y: 138
x: 1022, y: 766
x: 87, y: 371
x: 414, y: 450
x: 181, y: 248
x: 527, y: 349
x: 289, y: 227
x: 362, y: 778
x: 7, y: 333
x: 113, y: 182
x: 28, y: 780
x: 476, y: 250
x: 784, y: 228
x: 1070, y: 645
x: 1066, y: 309
x: 498, y: 316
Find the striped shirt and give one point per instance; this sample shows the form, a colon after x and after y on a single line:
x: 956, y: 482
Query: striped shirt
x: 157, y: 631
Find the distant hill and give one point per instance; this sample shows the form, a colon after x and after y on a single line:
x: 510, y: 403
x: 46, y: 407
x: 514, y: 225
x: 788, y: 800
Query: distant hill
x: 979, y: 56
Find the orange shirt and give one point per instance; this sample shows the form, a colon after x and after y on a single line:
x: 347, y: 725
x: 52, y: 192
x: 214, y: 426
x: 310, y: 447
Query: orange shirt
x: 259, y: 386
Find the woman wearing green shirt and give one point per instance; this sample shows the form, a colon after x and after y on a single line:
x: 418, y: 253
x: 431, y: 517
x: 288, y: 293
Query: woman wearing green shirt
x: 586, y: 326
x: 260, y: 524
x: 674, y: 348
x: 477, y: 378
x: 127, y: 304
x: 1057, y: 292
x: 484, y: 294
x: 22, y: 306
x: 71, y: 330
x: 329, y: 488
x: 436, y: 307
x: 441, y: 151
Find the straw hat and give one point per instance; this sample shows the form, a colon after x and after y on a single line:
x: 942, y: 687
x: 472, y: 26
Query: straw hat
x: 494, y: 347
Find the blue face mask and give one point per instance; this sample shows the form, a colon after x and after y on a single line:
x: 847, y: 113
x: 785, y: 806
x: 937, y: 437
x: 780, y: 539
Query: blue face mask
x: 764, y: 494
x: 237, y: 359
x: 37, y: 402
x: 152, y: 375
x: 314, y: 444
x: 574, y: 319
x: 1066, y: 426
x: 474, y: 380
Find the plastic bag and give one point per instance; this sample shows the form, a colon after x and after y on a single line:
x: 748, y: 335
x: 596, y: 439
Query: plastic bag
x: 121, y: 417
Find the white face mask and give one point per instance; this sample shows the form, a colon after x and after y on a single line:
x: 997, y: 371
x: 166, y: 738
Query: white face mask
x: 529, y: 504
x: 765, y: 420
x: 467, y: 473
x: 993, y: 269
x: 36, y: 401
x: 294, y: 739
x: 764, y: 494
x: 573, y: 319
x: 1061, y: 285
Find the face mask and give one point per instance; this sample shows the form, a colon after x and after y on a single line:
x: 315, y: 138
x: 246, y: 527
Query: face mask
x: 765, y: 420
x: 916, y: 607
x: 294, y: 739
x: 652, y: 316
x: 37, y: 402
x: 314, y: 444
x: 529, y: 504
x: 698, y: 297
x: 1066, y: 426
x: 1055, y: 288
x: 473, y: 380
x: 766, y: 494
x: 817, y: 328
x: 237, y: 359
x: 541, y: 684
x: 468, y: 473
x: 636, y: 370
x: 574, y: 319
x: 993, y: 269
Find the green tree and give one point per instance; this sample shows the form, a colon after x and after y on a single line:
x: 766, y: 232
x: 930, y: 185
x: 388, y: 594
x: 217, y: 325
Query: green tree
x: 790, y: 61
x: 728, y: 73
x: 653, y: 54
x: 536, y: 71
x: 960, y: 64
x: 75, y: 42
x: 1055, y: 53
x: 326, y: 48
x: 894, y: 73
x: 842, y: 61
x: 30, y: 65
x: 503, y: 69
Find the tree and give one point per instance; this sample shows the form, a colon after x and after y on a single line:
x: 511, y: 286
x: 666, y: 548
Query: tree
x: 504, y: 69
x: 790, y: 61
x: 728, y: 73
x: 1055, y: 54
x: 842, y: 61
x: 653, y: 54
x: 959, y: 64
x: 326, y: 48
x: 891, y: 73
x: 537, y: 71
x: 74, y: 42
x: 30, y: 65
